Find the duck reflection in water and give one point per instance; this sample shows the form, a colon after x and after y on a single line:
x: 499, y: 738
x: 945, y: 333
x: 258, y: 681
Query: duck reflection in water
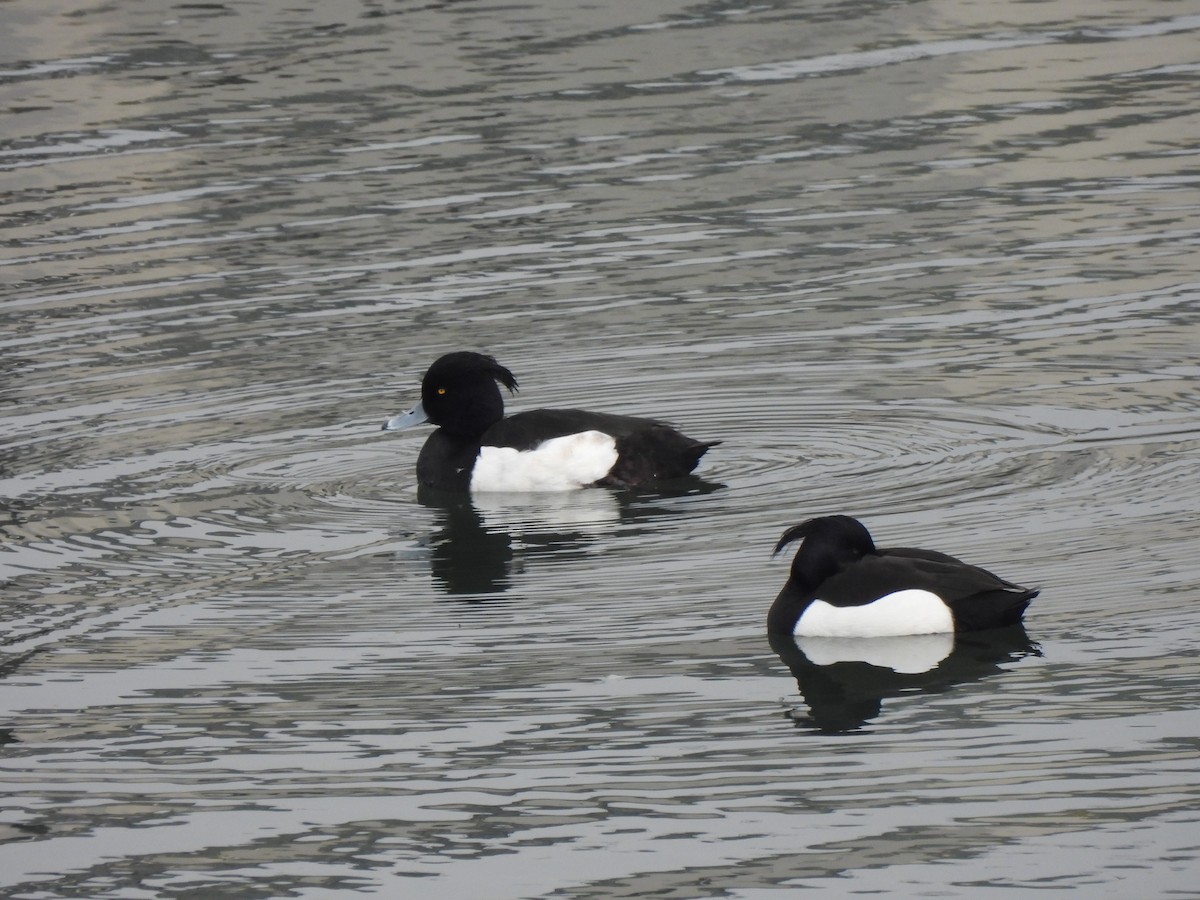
x: 464, y: 556
x: 479, y: 542
x: 844, y: 681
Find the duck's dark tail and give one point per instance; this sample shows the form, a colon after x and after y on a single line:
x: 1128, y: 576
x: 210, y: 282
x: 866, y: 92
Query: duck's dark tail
x: 657, y: 454
x: 992, y: 609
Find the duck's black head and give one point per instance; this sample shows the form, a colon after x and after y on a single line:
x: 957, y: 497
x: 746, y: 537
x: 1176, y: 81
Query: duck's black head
x: 460, y: 392
x: 829, y: 544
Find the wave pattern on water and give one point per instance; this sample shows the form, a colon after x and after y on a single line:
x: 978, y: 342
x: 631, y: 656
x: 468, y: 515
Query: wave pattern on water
x: 243, y: 654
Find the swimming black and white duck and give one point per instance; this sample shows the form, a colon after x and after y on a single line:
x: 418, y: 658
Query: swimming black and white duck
x: 842, y: 585
x: 476, y: 447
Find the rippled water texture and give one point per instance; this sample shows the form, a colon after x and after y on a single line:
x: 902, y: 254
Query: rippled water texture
x: 930, y: 263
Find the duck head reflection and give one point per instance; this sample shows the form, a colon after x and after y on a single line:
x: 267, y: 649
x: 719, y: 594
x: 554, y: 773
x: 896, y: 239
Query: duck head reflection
x: 844, y: 681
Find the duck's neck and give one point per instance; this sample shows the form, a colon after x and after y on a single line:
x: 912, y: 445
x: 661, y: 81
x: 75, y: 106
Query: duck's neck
x: 446, y: 461
x: 787, y: 609
x: 817, y: 561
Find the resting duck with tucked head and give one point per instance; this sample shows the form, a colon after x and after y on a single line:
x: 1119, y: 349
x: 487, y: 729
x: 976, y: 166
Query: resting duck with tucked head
x: 477, y: 448
x: 841, y: 585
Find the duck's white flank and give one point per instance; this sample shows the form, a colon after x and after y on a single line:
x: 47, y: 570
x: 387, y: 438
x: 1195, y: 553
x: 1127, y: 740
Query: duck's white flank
x: 559, y: 464
x: 904, y: 612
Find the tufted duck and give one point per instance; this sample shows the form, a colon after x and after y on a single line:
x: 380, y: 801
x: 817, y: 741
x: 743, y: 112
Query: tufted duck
x: 841, y: 585
x: 476, y: 447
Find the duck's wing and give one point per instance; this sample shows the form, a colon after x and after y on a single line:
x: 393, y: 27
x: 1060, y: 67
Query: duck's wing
x: 526, y: 430
x: 904, y: 568
x: 647, y: 449
x: 977, y: 598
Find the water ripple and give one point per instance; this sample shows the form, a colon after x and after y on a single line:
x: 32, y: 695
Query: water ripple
x: 245, y: 655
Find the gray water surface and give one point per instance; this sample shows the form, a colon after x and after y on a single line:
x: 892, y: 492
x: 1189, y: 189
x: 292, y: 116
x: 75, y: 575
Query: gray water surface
x: 928, y: 263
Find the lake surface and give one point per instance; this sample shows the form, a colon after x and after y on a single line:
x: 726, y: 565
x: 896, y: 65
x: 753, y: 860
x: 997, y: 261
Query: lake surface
x: 933, y: 264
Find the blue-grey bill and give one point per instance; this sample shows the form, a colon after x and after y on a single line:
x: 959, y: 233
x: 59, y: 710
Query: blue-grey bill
x: 415, y: 416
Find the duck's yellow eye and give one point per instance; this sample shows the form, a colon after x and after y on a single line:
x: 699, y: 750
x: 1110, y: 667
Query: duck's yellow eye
x: 441, y: 390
